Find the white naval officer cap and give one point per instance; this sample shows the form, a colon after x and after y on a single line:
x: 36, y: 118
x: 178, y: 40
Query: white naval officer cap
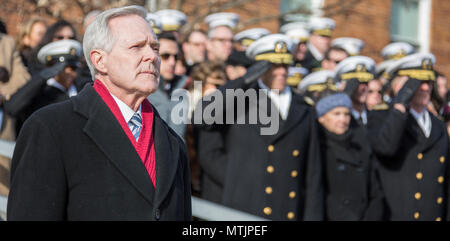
x: 352, y: 46
x: 321, y: 26
x: 249, y: 36
x: 397, y: 50
x: 222, y: 19
x: 361, y: 68
x: 318, y: 81
x: 60, y: 51
x: 418, y: 66
x: 297, y: 31
x: 155, y: 21
x: 275, y: 48
x: 381, y: 67
x: 171, y: 19
x: 296, y: 74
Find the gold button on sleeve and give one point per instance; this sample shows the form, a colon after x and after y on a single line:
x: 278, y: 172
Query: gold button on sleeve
x: 270, y: 169
x: 269, y: 190
x: 418, y: 195
x: 438, y: 219
x: 290, y: 215
x: 267, y: 211
x: 420, y: 156
x: 440, y: 179
x: 439, y: 200
x: 270, y: 148
x: 442, y: 159
x: 294, y: 173
x: 419, y: 176
x: 292, y: 194
x: 295, y: 153
x: 416, y: 215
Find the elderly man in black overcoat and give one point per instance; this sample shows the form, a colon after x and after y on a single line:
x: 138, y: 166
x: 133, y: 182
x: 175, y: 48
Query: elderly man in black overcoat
x: 105, y: 154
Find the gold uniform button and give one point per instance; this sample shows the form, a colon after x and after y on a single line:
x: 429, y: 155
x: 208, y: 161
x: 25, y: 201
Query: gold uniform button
x: 267, y: 210
x: 418, y: 195
x: 420, y: 156
x: 439, y: 200
x: 419, y: 176
x: 270, y: 148
x: 295, y: 153
x: 292, y: 194
x: 294, y: 173
x: 442, y: 159
x: 269, y: 190
x: 438, y: 219
x: 290, y: 215
x: 440, y: 179
x: 416, y: 215
x: 270, y: 169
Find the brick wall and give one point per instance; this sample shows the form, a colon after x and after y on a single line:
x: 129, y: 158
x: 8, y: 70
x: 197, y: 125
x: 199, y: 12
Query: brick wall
x: 440, y: 35
x: 369, y: 20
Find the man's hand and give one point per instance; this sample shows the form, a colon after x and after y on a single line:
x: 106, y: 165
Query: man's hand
x: 256, y: 70
x: 351, y: 86
x: 407, y: 92
x: 52, y: 71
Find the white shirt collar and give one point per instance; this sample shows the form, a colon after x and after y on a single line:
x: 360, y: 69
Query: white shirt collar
x: 126, y: 111
x: 72, y: 91
x: 363, y: 115
x: 423, y: 120
x: 317, y: 55
x: 282, y: 100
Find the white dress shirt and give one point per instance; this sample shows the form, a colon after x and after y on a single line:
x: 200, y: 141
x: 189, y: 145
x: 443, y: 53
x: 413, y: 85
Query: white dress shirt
x: 126, y: 111
x: 72, y: 91
x: 282, y: 101
x: 423, y: 119
x: 362, y: 115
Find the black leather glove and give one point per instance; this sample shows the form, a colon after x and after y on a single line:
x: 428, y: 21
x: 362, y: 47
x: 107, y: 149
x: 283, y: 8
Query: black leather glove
x: 52, y: 71
x: 256, y: 70
x: 351, y: 86
x: 407, y: 92
x: 4, y: 75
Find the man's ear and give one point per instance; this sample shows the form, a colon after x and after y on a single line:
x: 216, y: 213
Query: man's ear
x: 99, y: 60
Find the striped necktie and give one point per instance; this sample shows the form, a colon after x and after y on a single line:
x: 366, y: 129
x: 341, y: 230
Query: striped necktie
x: 135, y: 125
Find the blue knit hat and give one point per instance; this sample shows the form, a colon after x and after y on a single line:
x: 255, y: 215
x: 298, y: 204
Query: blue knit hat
x: 332, y: 101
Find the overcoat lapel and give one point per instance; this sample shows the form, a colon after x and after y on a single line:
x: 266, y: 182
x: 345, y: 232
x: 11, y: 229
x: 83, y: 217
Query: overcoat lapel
x: 106, y: 132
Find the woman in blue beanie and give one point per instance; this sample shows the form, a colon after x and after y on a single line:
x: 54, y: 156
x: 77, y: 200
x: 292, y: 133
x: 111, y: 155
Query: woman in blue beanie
x: 352, y: 188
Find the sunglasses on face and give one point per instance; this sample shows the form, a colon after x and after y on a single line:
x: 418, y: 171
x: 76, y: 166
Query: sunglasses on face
x: 374, y: 91
x: 166, y: 56
x: 64, y: 37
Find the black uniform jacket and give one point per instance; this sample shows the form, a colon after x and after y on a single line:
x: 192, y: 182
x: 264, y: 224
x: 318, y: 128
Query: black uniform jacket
x: 278, y: 177
x: 73, y: 161
x: 413, y: 171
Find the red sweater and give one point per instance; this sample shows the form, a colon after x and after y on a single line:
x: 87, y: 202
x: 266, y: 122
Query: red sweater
x: 145, y: 146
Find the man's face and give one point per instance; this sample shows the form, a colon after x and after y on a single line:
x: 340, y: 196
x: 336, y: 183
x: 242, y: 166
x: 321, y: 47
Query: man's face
x: 168, y: 50
x: 334, y: 58
x: 300, y: 51
x: 422, y: 96
x: 276, y: 77
x: 194, y: 49
x: 442, y: 89
x: 322, y: 43
x: 374, y: 97
x: 133, y: 64
x: 219, y: 46
x: 360, y: 95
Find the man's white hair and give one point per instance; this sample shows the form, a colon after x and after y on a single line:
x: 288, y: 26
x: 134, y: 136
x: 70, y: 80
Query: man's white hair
x: 99, y: 36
